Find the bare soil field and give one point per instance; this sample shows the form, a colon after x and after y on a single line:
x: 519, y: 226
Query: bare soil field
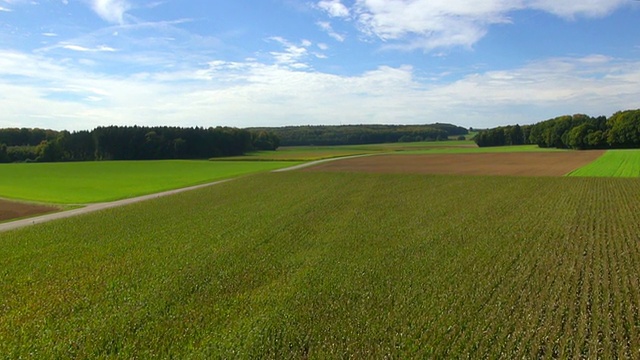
x: 516, y: 164
x: 13, y: 210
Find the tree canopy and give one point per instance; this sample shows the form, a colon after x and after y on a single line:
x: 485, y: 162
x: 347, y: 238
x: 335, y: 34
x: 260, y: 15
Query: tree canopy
x: 579, y: 131
x: 362, y: 134
x: 130, y: 143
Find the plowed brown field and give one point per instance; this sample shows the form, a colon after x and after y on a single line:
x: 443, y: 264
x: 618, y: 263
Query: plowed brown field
x: 518, y: 164
x: 14, y: 210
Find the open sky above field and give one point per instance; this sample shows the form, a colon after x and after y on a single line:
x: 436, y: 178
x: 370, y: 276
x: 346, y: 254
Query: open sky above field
x: 78, y: 64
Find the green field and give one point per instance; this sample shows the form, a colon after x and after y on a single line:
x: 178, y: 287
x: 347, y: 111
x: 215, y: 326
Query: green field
x: 329, y: 265
x: 614, y: 163
x: 85, y: 182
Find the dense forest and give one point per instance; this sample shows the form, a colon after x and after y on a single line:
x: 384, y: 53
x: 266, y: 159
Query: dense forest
x: 621, y: 130
x: 130, y: 143
x: 362, y: 134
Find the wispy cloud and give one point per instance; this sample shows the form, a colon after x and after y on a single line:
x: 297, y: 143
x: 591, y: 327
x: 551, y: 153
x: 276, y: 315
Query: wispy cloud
x: 112, y: 11
x: 4, y: 9
x: 571, y: 9
x: 293, y: 55
x: 326, y: 27
x: 432, y: 24
x: 102, y: 48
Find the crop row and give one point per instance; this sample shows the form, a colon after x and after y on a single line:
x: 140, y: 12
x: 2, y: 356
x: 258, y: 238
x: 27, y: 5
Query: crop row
x: 614, y: 163
x: 335, y: 265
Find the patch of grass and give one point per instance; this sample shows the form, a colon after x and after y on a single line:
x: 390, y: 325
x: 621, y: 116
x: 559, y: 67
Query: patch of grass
x: 614, y: 163
x: 85, y: 182
x: 325, y: 265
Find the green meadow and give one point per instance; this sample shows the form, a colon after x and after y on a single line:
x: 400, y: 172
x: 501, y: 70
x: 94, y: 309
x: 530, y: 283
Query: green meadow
x: 87, y: 182
x: 614, y: 163
x: 329, y: 265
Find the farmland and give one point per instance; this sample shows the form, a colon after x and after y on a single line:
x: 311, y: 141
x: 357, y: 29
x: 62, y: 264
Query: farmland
x: 614, y: 163
x: 318, y: 265
x: 85, y: 182
x: 480, y: 163
x: 310, y: 153
x: 15, y: 210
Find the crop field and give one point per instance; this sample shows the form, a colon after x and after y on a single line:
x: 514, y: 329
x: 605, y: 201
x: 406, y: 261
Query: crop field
x: 318, y: 265
x: 517, y: 164
x: 614, y: 163
x: 86, y: 182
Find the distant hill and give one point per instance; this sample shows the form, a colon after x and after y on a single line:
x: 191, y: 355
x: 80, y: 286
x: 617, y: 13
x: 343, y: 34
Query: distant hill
x: 361, y: 134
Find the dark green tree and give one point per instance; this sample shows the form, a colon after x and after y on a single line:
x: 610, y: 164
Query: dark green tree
x: 4, y: 155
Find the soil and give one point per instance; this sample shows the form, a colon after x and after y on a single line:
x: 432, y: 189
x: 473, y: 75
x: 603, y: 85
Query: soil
x: 514, y: 164
x: 13, y: 210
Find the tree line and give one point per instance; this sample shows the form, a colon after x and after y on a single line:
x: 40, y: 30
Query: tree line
x: 362, y: 134
x: 621, y: 130
x: 130, y: 143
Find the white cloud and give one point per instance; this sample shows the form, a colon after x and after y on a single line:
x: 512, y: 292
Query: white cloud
x: 4, y: 9
x: 334, y: 8
x: 570, y: 9
x: 292, y: 55
x: 111, y: 10
x: 431, y: 24
x: 102, y: 48
x: 61, y: 95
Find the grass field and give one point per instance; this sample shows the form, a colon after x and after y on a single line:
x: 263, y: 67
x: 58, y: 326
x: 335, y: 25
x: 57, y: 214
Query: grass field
x: 84, y: 182
x: 333, y: 265
x: 614, y: 163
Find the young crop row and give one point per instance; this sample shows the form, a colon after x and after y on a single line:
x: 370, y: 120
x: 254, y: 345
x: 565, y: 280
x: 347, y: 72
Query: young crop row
x: 316, y: 265
x: 614, y: 163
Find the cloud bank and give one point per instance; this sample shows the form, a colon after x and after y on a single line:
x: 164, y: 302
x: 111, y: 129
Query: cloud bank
x: 273, y: 93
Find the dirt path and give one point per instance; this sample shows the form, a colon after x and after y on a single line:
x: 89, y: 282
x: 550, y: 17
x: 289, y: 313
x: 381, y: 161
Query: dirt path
x: 96, y: 207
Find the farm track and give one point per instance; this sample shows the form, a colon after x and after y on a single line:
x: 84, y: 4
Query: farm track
x: 96, y: 207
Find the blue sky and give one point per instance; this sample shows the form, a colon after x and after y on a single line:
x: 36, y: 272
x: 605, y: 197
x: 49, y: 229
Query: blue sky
x: 79, y: 64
